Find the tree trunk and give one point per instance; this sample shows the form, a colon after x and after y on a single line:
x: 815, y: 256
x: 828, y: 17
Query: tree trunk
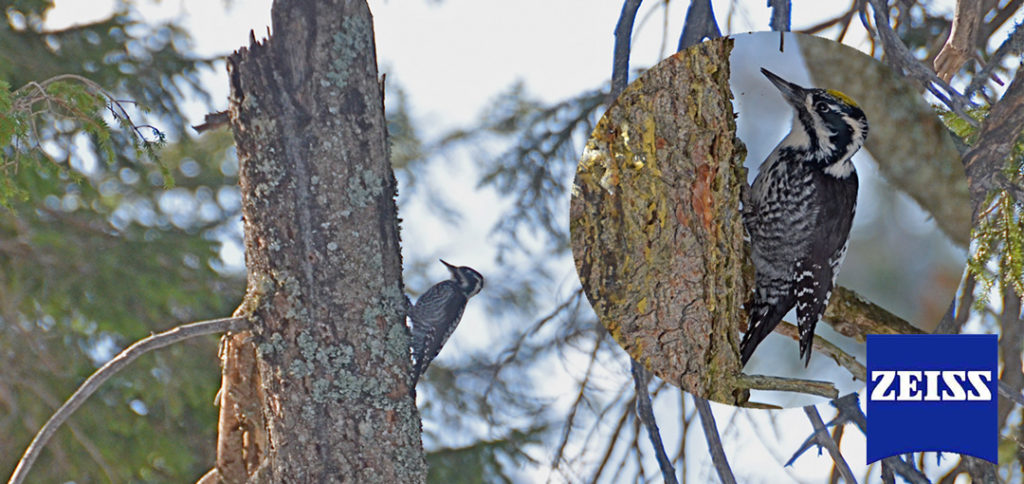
x: 325, y: 292
x: 655, y: 223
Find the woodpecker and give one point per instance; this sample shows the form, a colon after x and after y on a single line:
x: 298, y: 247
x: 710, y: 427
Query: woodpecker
x: 436, y: 314
x: 800, y: 210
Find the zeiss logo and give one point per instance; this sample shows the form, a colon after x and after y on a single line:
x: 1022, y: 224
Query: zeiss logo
x: 934, y: 385
x: 932, y: 393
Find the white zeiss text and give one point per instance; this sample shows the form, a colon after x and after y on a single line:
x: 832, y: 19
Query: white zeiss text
x: 931, y: 385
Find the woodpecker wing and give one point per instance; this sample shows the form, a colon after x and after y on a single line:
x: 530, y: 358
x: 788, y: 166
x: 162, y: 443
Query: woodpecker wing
x: 780, y: 236
x: 816, y: 274
x: 434, y: 317
x: 765, y: 315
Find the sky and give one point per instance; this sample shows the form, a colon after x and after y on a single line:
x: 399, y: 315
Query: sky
x: 453, y: 58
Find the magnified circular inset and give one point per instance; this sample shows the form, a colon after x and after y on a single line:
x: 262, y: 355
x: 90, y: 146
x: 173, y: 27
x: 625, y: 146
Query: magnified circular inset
x: 717, y: 286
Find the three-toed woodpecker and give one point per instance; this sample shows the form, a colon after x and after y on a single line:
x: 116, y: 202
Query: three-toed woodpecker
x: 800, y: 210
x: 436, y: 314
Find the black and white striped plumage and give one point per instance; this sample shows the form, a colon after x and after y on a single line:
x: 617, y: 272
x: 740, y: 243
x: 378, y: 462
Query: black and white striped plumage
x: 436, y: 314
x: 800, y: 210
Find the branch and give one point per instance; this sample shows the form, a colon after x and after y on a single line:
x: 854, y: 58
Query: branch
x: 850, y: 412
x: 620, y: 58
x: 984, y: 162
x: 786, y: 384
x: 212, y: 121
x: 700, y: 24
x: 823, y: 346
x: 116, y: 364
x: 645, y: 413
x: 821, y: 438
x: 707, y: 421
x: 780, y: 15
x: 855, y: 317
x: 1011, y: 339
x: 620, y: 77
x: 899, y: 57
x: 960, y: 45
x: 1013, y: 45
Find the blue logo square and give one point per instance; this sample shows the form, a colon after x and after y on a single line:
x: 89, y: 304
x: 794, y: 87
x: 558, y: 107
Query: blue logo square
x: 932, y: 393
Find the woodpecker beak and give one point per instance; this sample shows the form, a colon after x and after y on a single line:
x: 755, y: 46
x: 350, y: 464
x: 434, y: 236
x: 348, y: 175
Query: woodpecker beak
x: 450, y: 267
x: 794, y: 94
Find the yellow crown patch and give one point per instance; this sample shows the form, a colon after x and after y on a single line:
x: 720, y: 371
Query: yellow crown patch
x: 842, y: 97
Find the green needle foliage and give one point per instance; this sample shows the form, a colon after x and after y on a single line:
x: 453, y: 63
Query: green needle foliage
x: 108, y: 233
x: 997, y: 255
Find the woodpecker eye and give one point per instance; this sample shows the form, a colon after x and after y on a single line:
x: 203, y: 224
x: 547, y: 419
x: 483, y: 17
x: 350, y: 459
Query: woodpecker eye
x: 821, y: 107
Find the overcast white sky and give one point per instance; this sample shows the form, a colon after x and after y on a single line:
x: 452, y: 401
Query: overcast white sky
x: 452, y: 58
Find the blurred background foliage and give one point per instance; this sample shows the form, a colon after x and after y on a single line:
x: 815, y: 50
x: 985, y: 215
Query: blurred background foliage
x: 109, y: 234
x: 113, y: 233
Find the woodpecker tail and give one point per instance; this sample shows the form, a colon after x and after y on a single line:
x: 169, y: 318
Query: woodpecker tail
x: 764, y: 317
x: 813, y: 288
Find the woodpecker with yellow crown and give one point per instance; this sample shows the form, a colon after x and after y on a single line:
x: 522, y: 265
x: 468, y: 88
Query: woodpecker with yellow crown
x: 800, y: 210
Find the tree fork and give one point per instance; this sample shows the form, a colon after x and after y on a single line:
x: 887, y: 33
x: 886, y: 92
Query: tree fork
x: 325, y: 292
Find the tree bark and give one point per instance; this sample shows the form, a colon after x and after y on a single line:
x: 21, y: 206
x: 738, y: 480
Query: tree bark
x: 325, y: 292
x: 655, y: 223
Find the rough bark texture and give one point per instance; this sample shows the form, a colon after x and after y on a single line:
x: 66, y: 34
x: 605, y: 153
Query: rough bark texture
x: 324, y: 268
x: 655, y: 222
x: 913, y: 148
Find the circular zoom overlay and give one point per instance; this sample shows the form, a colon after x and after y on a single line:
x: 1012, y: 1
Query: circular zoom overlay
x: 856, y: 223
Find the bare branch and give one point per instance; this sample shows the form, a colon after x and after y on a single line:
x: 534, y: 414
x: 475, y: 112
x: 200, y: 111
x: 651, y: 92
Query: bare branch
x: 960, y: 45
x: 620, y: 75
x: 645, y: 413
x: 620, y: 58
x: 855, y: 317
x: 780, y: 15
x: 784, y: 384
x: 112, y: 367
x: 850, y: 412
x: 1011, y: 336
x: 824, y: 347
x: 700, y: 24
x: 1002, y: 128
x: 821, y: 438
x: 571, y: 418
x: 212, y: 121
x: 707, y: 421
x: 899, y: 57
x: 1013, y: 45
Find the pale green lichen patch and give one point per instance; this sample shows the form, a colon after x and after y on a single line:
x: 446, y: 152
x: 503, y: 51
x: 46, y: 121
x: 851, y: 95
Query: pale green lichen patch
x: 347, y: 47
x: 365, y: 189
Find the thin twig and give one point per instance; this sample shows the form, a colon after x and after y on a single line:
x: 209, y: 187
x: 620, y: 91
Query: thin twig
x: 570, y: 420
x: 108, y: 370
x: 822, y: 438
x: 824, y: 347
x: 899, y: 57
x: 707, y: 422
x: 645, y: 413
x: 1013, y: 45
x: 611, y: 445
x: 850, y: 412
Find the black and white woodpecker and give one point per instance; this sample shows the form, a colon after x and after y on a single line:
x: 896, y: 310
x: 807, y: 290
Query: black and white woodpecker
x: 436, y: 314
x: 800, y: 210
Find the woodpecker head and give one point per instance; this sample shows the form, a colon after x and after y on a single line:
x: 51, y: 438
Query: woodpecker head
x: 470, y: 281
x: 828, y: 127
